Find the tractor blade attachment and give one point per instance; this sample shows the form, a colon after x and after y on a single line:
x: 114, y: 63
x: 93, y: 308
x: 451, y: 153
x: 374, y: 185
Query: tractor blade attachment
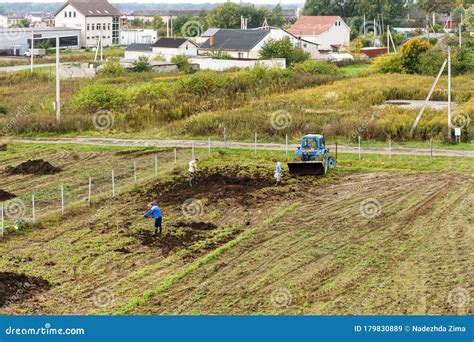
x: 315, y: 168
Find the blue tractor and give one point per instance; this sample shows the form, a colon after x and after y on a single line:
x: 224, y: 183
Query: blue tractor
x: 313, y: 157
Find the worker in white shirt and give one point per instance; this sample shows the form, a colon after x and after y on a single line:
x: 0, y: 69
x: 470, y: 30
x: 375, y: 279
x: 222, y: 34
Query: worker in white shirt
x: 193, y: 171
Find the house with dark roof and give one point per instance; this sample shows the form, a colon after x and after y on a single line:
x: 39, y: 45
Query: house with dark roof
x: 164, y: 47
x: 331, y: 32
x: 98, y: 21
x: 246, y: 44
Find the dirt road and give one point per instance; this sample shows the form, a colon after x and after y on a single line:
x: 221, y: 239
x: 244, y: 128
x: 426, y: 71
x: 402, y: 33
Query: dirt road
x: 240, y: 145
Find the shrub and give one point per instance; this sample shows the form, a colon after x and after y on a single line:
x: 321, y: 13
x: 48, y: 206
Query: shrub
x: 183, y: 63
x: 283, y: 49
x: 142, y: 65
x: 316, y: 68
x: 3, y: 109
x: 388, y: 64
x: 113, y: 68
x: 202, y: 83
x: 99, y: 97
x: 431, y: 61
x: 411, y: 52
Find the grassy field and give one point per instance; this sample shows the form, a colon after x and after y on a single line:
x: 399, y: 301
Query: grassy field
x: 378, y: 236
x: 341, y: 110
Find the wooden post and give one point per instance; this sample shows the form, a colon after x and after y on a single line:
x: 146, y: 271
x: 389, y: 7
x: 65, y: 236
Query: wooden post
x: 62, y: 200
x: 90, y: 192
x: 225, y: 137
x: 2, y: 221
x: 390, y: 147
x: 113, y: 183
x: 360, y: 150
x: 156, y: 166
x: 135, y: 171
x: 431, y: 150
x: 449, y: 95
x: 33, y: 209
x: 175, y: 157
x: 209, y: 147
x: 336, y: 149
x: 194, y: 152
x: 286, y: 146
x: 255, y: 145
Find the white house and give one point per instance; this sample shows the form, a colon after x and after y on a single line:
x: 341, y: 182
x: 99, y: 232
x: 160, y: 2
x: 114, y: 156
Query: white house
x: 169, y: 47
x: 95, y: 19
x: 163, y: 47
x: 331, y: 32
x: 139, y: 36
x: 246, y: 44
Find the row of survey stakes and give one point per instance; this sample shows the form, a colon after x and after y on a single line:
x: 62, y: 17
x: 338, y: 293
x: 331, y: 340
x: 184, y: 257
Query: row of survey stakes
x: 101, y: 184
x: 20, y: 211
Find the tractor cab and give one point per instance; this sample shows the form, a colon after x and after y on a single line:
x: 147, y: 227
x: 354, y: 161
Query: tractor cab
x: 313, y: 158
x: 312, y: 147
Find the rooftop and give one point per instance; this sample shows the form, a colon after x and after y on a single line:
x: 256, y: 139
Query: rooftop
x: 170, y: 42
x: 92, y: 8
x: 233, y: 39
x: 312, y: 25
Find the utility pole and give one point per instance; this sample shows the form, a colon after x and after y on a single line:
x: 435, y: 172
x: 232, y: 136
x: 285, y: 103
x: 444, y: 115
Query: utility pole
x: 449, y: 93
x: 365, y: 29
x: 32, y: 47
x: 58, y: 88
x: 388, y: 38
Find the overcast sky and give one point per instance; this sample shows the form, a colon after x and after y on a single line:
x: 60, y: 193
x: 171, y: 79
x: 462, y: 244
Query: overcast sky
x: 175, y: 1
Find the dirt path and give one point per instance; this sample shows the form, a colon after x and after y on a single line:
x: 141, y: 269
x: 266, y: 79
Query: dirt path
x: 240, y: 145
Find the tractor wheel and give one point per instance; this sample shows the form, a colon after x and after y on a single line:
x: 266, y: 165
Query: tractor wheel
x: 332, y: 163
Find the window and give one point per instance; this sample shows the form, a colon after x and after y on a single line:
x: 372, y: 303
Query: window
x: 98, y: 27
x: 74, y: 14
x: 65, y: 14
x: 93, y: 27
x: 88, y: 27
x: 108, y: 27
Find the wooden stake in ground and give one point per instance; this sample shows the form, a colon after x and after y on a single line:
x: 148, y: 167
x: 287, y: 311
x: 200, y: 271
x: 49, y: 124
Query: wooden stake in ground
x: 33, y: 209
x: 90, y: 191
x: 62, y: 200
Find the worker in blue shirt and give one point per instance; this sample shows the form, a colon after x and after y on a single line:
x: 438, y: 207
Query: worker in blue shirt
x: 155, y: 212
x: 278, y: 173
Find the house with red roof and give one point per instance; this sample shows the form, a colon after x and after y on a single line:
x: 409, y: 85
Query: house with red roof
x: 331, y: 32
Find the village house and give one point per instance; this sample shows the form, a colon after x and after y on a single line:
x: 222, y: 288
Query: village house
x: 97, y: 20
x: 163, y: 47
x: 246, y: 44
x: 331, y: 32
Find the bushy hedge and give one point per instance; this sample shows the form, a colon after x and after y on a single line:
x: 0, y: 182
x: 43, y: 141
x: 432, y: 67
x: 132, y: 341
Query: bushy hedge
x: 316, y: 68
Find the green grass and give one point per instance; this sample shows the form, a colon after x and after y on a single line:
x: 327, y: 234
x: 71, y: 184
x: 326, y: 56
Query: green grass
x: 356, y: 69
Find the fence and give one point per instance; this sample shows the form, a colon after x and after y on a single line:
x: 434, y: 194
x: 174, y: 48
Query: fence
x: 100, y: 184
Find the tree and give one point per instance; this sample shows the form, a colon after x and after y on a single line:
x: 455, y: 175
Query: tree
x: 438, y: 6
x: 2, y: 11
x: 138, y: 23
x: 283, y: 48
x: 411, y: 52
x: 24, y: 23
x: 157, y: 23
x: 226, y: 15
x: 469, y: 20
x: 277, y: 18
x: 142, y: 64
x: 343, y: 8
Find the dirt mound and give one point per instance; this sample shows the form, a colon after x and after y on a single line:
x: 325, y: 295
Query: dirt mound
x: 215, y: 184
x: 5, y: 195
x: 17, y: 287
x: 196, y: 225
x: 33, y: 167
